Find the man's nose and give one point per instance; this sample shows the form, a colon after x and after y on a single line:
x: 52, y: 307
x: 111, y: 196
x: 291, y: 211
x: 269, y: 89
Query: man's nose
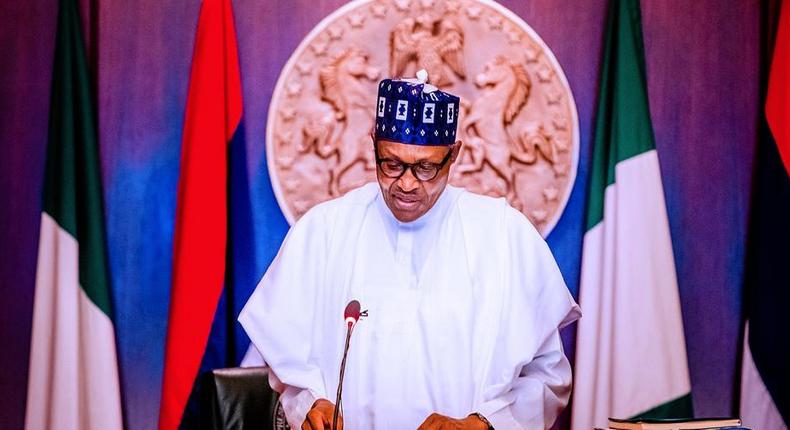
x: 408, y: 182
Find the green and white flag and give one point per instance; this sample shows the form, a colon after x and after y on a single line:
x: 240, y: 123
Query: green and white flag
x: 630, y: 350
x: 73, y: 376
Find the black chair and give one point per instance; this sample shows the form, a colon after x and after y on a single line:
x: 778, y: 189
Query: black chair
x: 240, y: 398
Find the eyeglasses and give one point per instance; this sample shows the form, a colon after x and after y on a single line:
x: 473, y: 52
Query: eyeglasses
x: 423, y: 170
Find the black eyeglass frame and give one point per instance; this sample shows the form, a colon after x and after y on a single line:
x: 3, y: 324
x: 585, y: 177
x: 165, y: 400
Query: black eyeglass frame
x: 410, y: 166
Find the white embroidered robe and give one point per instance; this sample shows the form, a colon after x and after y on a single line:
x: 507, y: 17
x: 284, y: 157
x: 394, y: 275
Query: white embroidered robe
x: 465, y: 306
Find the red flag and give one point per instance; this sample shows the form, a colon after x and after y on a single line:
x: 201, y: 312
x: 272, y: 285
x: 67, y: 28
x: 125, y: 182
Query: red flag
x: 213, y: 113
x: 777, y: 104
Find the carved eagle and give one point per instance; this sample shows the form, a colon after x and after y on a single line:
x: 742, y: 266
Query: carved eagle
x: 435, y: 44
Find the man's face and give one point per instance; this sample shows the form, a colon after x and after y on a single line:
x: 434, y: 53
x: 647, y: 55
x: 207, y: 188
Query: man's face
x: 406, y: 196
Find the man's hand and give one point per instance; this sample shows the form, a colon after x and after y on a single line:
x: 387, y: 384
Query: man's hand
x: 319, y: 417
x: 441, y: 422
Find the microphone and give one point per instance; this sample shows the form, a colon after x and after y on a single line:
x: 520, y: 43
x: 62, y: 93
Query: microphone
x: 351, y: 316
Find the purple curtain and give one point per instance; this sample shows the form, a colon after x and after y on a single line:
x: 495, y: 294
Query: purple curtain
x: 703, y: 74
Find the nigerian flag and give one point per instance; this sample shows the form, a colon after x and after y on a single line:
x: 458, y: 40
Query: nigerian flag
x: 630, y: 352
x: 73, y: 376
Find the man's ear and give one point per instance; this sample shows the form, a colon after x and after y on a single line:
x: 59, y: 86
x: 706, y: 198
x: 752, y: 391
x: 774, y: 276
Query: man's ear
x: 456, y: 150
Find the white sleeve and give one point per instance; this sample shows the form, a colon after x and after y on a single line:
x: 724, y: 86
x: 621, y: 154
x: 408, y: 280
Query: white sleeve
x: 529, y: 379
x: 278, y: 317
x: 296, y: 401
x: 537, y: 395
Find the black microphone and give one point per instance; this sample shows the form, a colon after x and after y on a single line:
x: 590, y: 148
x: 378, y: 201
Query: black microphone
x: 351, y: 316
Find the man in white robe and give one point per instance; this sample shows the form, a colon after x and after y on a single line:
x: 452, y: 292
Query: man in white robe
x: 464, y: 298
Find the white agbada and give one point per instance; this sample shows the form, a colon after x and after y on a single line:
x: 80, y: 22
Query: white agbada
x: 465, y: 306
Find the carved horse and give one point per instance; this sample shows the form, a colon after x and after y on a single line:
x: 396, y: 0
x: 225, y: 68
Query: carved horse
x: 534, y: 141
x: 505, y: 88
x: 345, y: 87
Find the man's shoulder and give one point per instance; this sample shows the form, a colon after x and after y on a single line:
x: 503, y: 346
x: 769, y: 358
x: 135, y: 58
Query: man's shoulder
x: 473, y: 203
x: 470, y: 201
x: 492, y: 210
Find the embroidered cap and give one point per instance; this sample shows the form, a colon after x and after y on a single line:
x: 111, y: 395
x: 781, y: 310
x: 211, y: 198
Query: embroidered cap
x: 414, y: 112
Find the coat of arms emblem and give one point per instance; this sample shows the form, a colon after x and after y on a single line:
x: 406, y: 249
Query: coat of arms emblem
x: 517, y: 119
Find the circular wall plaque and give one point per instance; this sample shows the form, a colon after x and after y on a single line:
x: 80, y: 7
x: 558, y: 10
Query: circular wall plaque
x: 518, y: 119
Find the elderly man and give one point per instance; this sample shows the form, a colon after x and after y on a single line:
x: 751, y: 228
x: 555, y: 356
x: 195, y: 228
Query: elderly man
x: 464, y: 297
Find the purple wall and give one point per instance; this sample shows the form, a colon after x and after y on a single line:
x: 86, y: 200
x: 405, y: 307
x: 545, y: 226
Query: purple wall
x: 702, y: 64
x: 703, y: 79
x: 27, y: 46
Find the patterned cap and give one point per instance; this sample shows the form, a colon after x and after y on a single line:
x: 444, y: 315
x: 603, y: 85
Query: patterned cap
x: 415, y: 112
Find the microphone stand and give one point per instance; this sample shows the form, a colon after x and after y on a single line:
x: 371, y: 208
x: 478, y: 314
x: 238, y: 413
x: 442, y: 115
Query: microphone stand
x: 338, y: 397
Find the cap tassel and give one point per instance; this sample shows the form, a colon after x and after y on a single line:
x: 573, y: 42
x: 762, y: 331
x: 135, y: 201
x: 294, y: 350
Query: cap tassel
x: 422, y: 78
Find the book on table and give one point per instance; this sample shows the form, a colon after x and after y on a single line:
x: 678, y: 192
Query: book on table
x: 675, y: 424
